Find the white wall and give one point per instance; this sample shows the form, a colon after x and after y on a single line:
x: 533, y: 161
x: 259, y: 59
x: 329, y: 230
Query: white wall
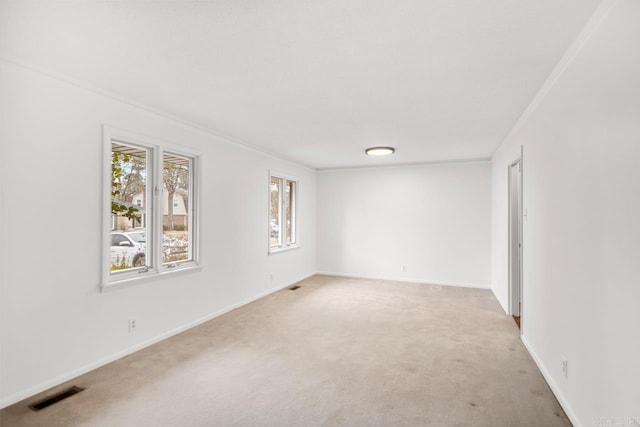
x: 435, y: 219
x: 581, y: 298
x: 55, y: 321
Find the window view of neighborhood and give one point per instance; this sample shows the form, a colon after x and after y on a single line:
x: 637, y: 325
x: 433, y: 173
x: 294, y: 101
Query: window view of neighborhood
x: 132, y: 219
x: 176, y: 224
x: 289, y: 211
x: 274, y: 217
x: 282, y: 212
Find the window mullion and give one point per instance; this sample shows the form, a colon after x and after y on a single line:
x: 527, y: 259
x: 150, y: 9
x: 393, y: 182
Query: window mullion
x: 156, y: 232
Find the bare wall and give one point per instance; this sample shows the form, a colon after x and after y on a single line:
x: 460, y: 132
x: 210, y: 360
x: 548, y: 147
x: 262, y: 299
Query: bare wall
x: 581, y: 141
x: 55, y: 321
x: 433, y: 219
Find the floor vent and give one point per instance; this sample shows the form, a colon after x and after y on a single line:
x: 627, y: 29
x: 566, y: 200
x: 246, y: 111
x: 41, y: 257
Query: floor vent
x: 293, y: 288
x: 55, y: 398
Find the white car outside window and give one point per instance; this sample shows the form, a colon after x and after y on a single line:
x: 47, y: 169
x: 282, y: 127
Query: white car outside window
x: 128, y: 249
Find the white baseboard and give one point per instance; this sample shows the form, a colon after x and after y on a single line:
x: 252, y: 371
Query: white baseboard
x: 405, y: 279
x: 552, y: 384
x: 31, y: 391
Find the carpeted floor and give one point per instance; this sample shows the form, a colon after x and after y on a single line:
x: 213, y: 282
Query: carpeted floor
x: 336, y: 352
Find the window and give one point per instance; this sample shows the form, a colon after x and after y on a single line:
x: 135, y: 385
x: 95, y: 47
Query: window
x: 282, y: 212
x: 144, y: 234
x: 177, y: 227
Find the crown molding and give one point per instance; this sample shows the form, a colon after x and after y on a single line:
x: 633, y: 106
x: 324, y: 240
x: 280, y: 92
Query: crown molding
x: 572, y: 52
x: 146, y: 108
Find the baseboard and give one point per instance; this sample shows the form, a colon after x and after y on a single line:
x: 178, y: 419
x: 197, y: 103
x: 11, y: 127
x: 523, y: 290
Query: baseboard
x: 405, y: 279
x: 552, y: 384
x: 106, y: 360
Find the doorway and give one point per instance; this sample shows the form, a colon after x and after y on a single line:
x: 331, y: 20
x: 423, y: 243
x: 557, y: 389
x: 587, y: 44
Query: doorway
x: 515, y: 240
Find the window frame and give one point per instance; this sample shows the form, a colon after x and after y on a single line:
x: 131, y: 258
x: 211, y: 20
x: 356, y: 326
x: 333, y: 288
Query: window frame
x: 283, y: 246
x: 154, y: 267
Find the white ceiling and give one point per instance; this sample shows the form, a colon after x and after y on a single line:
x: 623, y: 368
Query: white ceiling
x: 313, y: 81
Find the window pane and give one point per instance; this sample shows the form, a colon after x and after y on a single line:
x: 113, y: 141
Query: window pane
x: 274, y: 212
x: 177, y: 233
x: 128, y: 207
x: 290, y: 211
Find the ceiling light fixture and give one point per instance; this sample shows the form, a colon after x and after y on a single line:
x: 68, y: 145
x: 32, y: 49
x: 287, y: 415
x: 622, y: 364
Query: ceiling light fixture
x: 379, y: 151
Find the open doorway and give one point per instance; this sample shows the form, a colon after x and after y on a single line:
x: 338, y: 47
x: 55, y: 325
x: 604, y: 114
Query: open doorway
x: 515, y: 241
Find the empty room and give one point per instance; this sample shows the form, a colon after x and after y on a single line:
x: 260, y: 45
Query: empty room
x: 308, y: 213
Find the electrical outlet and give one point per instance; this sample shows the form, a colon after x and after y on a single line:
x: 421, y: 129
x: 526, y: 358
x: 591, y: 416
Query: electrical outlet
x: 565, y: 369
x: 271, y: 277
x: 404, y: 268
x: 132, y: 325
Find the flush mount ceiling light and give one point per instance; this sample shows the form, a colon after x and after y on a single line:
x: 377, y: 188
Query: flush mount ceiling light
x: 379, y: 151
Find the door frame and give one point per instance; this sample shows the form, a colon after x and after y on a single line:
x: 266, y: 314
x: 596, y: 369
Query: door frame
x: 516, y: 289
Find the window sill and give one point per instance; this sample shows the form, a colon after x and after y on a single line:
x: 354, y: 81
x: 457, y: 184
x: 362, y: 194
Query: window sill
x: 132, y: 279
x: 273, y: 251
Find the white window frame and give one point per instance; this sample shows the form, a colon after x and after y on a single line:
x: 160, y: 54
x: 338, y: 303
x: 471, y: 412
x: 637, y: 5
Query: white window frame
x: 296, y: 208
x: 154, y: 267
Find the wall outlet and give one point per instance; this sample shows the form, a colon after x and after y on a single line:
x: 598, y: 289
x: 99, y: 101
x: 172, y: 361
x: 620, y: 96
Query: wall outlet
x: 404, y: 268
x: 565, y: 369
x: 132, y: 325
x: 271, y: 277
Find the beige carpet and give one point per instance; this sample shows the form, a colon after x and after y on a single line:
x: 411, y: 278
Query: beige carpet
x: 336, y: 352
